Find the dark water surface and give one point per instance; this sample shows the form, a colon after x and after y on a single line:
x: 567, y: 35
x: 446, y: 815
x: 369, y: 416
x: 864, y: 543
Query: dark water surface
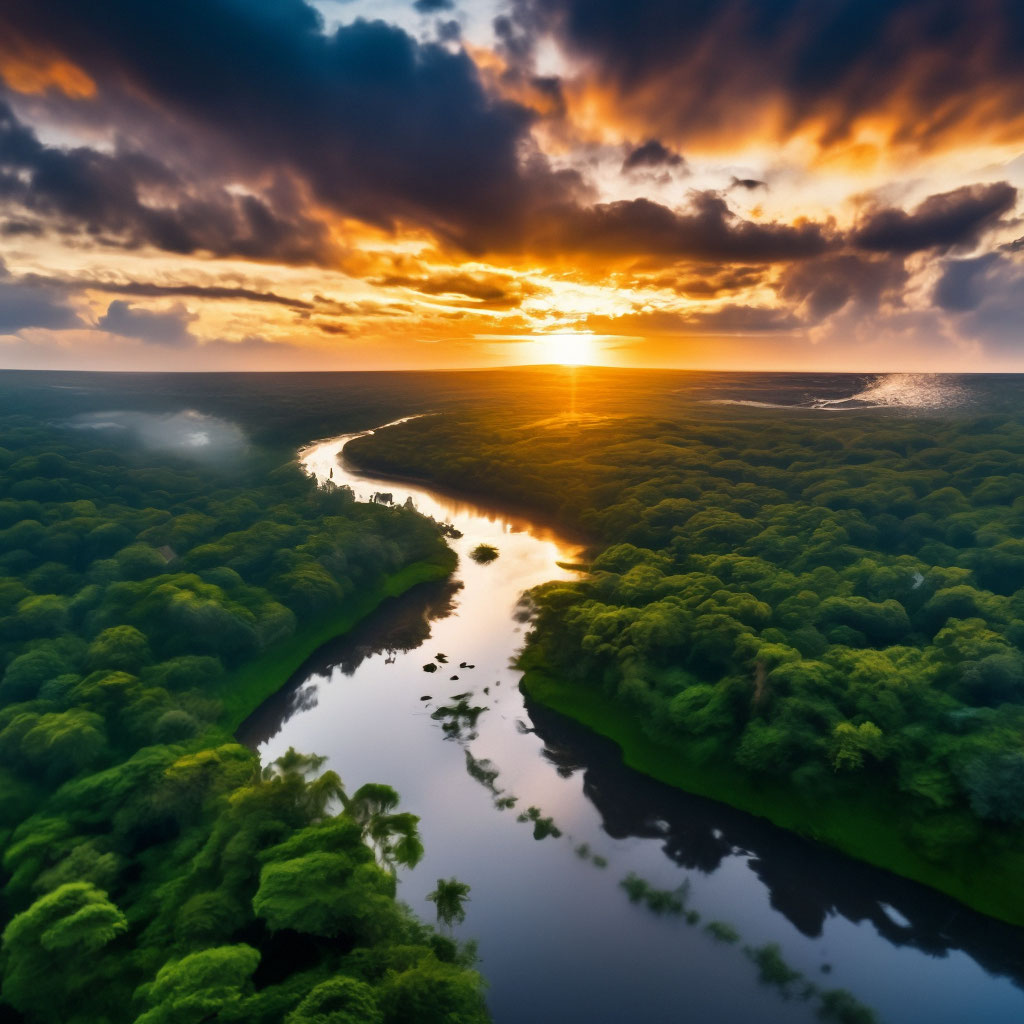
x: 558, y: 938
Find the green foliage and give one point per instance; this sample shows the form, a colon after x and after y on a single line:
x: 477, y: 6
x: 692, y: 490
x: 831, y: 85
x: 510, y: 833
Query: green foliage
x: 204, y: 986
x: 542, y: 826
x: 338, y: 1001
x: 995, y: 785
x: 433, y: 993
x: 842, y: 1007
x: 772, y: 969
x: 148, y: 860
x: 325, y: 894
x: 661, y: 901
x: 850, y: 743
x: 449, y: 897
x: 55, y: 744
x: 833, y: 605
x: 720, y: 931
x: 49, y: 949
x: 121, y: 648
x: 27, y: 673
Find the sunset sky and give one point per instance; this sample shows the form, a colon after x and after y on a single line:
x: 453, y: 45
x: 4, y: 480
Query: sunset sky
x: 274, y: 184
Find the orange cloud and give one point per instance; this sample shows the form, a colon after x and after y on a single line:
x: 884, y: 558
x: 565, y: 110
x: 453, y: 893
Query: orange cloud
x: 851, y: 85
x: 31, y: 69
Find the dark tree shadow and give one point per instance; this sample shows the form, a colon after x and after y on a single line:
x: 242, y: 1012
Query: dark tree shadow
x: 400, y: 624
x: 806, y: 881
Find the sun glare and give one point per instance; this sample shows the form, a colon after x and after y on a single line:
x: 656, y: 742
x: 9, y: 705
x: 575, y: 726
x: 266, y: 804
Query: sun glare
x: 567, y: 349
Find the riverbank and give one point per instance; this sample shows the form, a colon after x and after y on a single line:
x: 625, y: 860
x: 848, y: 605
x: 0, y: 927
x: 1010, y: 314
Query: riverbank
x: 242, y: 691
x: 482, y: 498
x: 867, y: 829
x: 365, y: 703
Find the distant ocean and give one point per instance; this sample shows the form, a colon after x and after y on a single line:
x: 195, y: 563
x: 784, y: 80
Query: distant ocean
x: 312, y: 404
x: 846, y: 392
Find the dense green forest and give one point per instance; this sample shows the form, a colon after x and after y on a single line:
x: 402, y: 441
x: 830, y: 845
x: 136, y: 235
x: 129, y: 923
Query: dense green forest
x: 152, y: 869
x: 817, y: 617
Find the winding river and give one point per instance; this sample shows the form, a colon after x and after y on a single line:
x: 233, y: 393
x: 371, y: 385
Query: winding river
x: 558, y: 938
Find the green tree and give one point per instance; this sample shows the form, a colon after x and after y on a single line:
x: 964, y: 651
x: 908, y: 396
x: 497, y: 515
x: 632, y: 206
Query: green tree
x: 434, y: 993
x: 327, y: 894
x: 449, y: 898
x: 994, y: 782
x: 394, y: 836
x: 42, y: 615
x: 119, y: 648
x: 29, y: 671
x: 340, y: 1000
x: 50, y: 950
x: 205, y: 986
x: 851, y: 742
x: 59, y: 743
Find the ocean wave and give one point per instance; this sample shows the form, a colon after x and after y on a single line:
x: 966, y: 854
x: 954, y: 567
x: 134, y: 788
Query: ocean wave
x: 908, y: 391
x: 900, y: 391
x: 749, y: 402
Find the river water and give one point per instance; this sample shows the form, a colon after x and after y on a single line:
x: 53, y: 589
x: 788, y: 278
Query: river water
x: 558, y: 938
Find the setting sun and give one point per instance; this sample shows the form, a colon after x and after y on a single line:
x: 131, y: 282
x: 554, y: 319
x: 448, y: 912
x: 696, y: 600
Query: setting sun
x: 567, y: 349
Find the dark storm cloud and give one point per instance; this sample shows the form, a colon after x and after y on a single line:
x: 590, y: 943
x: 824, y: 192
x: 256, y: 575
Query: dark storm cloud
x: 962, y: 284
x: 99, y: 193
x: 448, y: 31
x: 689, y: 68
x: 822, y: 287
x: 741, y: 319
x: 492, y: 291
x: 433, y: 6
x: 730, y: 319
x: 946, y: 221
x: 168, y: 328
x: 26, y: 305
x: 708, y: 230
x: 379, y: 126
x: 705, y: 281
x: 145, y: 289
x: 367, y: 122
x: 985, y: 295
x: 364, y: 122
x: 652, y: 154
x: 21, y: 228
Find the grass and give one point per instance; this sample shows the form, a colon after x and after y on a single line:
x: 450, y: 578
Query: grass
x: 868, y: 828
x: 244, y: 689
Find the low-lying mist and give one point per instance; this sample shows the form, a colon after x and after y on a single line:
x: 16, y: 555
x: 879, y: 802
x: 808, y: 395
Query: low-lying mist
x: 187, y: 432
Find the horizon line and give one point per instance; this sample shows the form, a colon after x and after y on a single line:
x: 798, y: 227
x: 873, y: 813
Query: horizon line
x: 521, y: 366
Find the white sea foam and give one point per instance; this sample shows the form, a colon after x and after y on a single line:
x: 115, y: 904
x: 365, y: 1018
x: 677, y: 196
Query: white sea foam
x: 900, y: 391
x: 886, y: 391
x: 747, y: 401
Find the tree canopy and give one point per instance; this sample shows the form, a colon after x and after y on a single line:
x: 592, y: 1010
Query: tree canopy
x: 830, y: 604
x: 153, y: 870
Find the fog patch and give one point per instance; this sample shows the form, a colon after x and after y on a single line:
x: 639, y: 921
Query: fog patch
x: 187, y: 432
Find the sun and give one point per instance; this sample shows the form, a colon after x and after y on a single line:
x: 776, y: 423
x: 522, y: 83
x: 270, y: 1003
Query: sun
x: 568, y: 349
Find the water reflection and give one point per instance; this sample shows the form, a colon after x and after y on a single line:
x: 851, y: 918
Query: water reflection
x: 399, y: 625
x: 807, y: 883
x: 491, y: 775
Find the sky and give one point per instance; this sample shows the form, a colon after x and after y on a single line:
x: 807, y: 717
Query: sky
x: 291, y: 185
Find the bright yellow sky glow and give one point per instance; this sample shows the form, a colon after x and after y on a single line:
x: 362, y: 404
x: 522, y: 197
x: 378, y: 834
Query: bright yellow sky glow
x: 568, y: 349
